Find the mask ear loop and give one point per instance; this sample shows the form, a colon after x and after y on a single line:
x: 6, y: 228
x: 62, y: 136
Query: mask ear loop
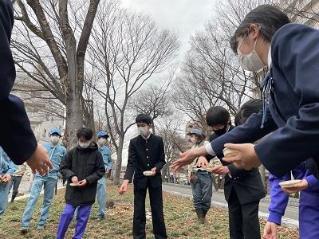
x: 244, y: 37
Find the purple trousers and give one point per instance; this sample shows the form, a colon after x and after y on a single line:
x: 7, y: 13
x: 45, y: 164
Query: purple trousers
x: 82, y: 218
x: 309, y: 215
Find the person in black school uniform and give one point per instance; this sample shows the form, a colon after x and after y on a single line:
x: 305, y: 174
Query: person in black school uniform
x: 146, y: 153
x: 243, y: 189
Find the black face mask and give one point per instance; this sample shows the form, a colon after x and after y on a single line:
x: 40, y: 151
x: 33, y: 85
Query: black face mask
x: 220, y: 132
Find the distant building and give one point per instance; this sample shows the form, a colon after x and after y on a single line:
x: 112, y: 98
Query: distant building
x: 44, y: 111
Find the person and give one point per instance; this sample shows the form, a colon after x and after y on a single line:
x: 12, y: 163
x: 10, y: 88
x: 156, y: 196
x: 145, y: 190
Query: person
x: 82, y: 167
x: 102, y: 137
x: 308, y: 201
x: 48, y: 182
x: 146, y: 153
x: 7, y: 168
x: 200, y: 179
x: 16, y: 180
x: 290, y: 95
x: 243, y: 189
x: 17, y: 138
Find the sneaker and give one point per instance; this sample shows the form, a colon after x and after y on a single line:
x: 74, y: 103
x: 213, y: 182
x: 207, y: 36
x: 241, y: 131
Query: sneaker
x: 24, y: 231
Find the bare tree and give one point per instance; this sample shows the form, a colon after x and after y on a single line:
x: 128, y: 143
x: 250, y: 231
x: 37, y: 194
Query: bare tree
x: 306, y: 12
x: 50, y: 43
x: 39, y: 100
x: 154, y: 101
x: 211, y: 76
x: 128, y: 49
x: 174, y: 143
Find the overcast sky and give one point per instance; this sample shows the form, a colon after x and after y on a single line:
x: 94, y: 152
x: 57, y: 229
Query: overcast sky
x: 184, y: 17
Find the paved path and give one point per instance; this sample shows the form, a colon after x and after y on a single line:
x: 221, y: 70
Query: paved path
x: 218, y: 199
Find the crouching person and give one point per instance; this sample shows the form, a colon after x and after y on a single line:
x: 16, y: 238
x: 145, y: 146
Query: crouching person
x: 82, y: 167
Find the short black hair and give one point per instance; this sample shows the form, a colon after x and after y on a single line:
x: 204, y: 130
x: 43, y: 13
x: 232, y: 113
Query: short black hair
x: 143, y: 118
x: 217, y: 115
x: 85, y: 133
x: 269, y: 18
x: 247, y: 109
x: 237, y: 119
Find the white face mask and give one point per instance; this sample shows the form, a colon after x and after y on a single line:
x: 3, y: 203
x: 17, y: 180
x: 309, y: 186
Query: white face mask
x: 54, y: 139
x: 144, y: 131
x: 250, y: 61
x: 101, y: 141
x: 84, y: 145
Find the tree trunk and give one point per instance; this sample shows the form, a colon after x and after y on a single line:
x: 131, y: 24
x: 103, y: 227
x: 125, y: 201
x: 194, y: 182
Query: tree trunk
x: 74, y: 120
x: 88, y: 115
x: 118, y: 163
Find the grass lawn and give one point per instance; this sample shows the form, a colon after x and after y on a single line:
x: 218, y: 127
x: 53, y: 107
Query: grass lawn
x: 179, y: 216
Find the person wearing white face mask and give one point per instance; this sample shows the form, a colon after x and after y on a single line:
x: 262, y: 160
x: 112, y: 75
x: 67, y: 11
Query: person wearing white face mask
x: 146, y: 158
x: 101, y: 184
x: 56, y: 153
x: 290, y: 106
x: 82, y: 167
x: 290, y: 95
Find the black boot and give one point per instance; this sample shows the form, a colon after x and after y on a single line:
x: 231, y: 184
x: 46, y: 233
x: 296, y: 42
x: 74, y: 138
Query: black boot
x: 204, y: 215
x: 13, y: 197
x: 200, y: 216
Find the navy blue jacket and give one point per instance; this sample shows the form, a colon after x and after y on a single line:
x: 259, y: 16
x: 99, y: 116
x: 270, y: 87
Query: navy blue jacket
x: 292, y: 109
x: 16, y: 137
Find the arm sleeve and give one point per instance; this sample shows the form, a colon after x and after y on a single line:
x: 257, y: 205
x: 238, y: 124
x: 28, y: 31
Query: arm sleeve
x: 130, y: 163
x: 99, y: 172
x: 295, y: 52
x: 248, y: 132
x: 159, y: 165
x: 278, y: 199
x: 12, y: 167
x: 109, y: 160
x: 17, y: 138
x: 66, y: 165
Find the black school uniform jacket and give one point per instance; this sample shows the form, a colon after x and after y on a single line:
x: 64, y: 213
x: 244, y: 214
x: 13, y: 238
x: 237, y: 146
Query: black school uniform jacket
x: 291, y: 92
x: 85, y: 164
x: 247, y: 184
x: 143, y: 155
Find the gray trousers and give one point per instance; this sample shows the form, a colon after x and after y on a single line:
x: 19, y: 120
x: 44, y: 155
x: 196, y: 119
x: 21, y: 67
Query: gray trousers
x: 202, y: 190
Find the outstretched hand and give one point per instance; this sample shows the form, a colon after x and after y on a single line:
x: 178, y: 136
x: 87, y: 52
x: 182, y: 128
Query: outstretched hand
x: 185, y: 158
x: 220, y: 170
x: 244, y: 157
x: 39, y: 161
